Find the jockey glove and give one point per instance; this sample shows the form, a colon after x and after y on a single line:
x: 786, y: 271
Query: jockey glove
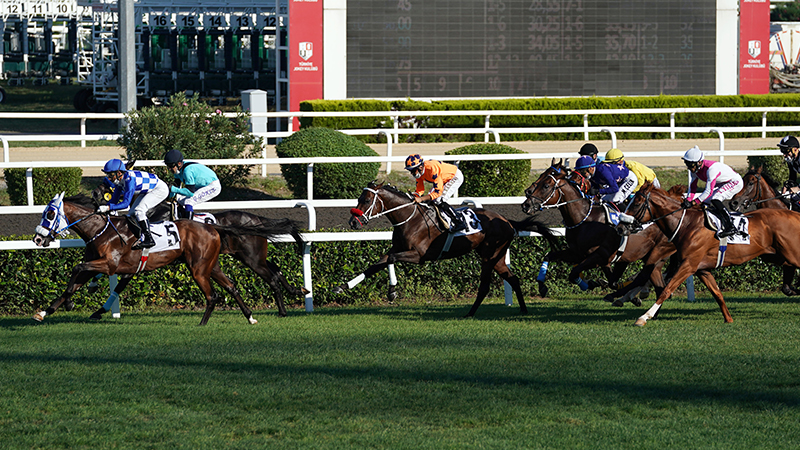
x: 594, y: 190
x: 103, y: 208
x: 686, y: 204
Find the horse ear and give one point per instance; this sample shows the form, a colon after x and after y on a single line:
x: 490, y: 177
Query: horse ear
x: 129, y: 165
x: 58, y: 198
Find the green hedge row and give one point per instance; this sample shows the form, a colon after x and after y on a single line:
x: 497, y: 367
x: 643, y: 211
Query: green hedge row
x: 726, y: 119
x: 32, y: 279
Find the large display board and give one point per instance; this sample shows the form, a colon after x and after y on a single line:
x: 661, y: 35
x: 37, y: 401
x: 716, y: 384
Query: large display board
x: 500, y: 48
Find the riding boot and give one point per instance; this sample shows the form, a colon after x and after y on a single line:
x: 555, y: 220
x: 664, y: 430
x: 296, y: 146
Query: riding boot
x: 456, y: 223
x: 146, y: 240
x: 725, y: 219
x: 189, y: 212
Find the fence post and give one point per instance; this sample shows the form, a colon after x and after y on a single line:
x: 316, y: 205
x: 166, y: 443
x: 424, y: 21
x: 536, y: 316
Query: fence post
x: 672, y: 125
x: 764, y: 125
x: 721, y: 144
x: 388, y: 150
x: 6, y: 155
x: 690, y: 288
x: 29, y: 184
x: 307, y: 282
x: 613, y: 136
x: 310, y: 180
x: 586, y: 125
x: 486, y: 125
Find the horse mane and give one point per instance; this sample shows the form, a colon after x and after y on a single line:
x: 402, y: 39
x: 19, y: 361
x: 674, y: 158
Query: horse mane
x: 81, y: 200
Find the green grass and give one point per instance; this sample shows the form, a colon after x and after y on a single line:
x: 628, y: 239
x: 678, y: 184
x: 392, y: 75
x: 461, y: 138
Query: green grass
x: 572, y: 374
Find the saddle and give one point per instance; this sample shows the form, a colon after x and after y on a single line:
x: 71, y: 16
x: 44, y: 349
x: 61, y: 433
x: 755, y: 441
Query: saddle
x: 712, y: 221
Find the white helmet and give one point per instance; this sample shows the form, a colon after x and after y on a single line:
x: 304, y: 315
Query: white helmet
x: 693, y: 154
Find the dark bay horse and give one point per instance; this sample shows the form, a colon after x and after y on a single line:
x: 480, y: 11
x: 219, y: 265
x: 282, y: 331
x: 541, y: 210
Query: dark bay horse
x: 108, y: 249
x: 773, y: 238
x: 591, y: 240
x: 761, y: 191
x: 418, y: 238
x: 248, y: 249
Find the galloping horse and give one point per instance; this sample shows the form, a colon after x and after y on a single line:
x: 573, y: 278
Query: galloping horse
x: 772, y: 236
x: 759, y: 190
x: 592, y: 241
x: 109, y: 241
x: 417, y: 238
x: 248, y: 249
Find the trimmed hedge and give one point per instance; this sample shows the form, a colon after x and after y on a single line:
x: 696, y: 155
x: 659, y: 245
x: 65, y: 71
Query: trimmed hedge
x: 47, y: 183
x: 339, y: 180
x: 492, y: 178
x: 773, y: 166
x: 32, y: 279
x: 727, y: 119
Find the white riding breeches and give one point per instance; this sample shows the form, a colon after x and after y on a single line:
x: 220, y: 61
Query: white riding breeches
x: 451, y: 187
x: 201, y: 195
x: 147, y: 201
x: 626, y: 188
x: 725, y: 191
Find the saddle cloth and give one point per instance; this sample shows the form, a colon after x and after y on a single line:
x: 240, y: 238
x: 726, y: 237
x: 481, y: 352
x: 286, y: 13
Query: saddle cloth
x: 166, y: 236
x: 740, y: 222
x: 471, y: 219
x: 206, y: 218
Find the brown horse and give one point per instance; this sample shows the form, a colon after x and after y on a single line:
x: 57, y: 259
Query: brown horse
x: 773, y: 237
x: 108, y: 249
x: 418, y: 238
x: 591, y: 240
x: 760, y: 191
x: 247, y: 249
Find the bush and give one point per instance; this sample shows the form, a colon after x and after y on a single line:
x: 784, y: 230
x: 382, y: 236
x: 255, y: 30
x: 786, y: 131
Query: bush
x: 492, y: 178
x: 340, y: 180
x: 47, y: 183
x: 773, y: 166
x: 196, y: 130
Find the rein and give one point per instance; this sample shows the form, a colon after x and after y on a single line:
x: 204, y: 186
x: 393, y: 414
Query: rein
x: 647, y: 204
x: 368, y: 213
x: 559, y: 203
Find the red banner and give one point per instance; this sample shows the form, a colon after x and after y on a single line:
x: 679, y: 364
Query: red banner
x: 305, y: 52
x: 753, y: 46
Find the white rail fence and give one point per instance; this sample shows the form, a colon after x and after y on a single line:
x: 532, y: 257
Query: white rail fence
x: 392, y: 135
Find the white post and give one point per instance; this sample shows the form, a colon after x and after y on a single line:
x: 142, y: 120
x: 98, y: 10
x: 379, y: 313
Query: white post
x: 764, y: 125
x: 672, y: 125
x: 690, y: 288
x: 29, y: 184
x: 586, y: 125
x: 112, y: 284
x: 307, y: 282
x: 310, y: 180
x: 486, y: 126
x: 509, y: 293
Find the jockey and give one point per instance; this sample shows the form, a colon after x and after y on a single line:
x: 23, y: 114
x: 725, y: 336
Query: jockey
x: 612, y: 179
x: 790, y: 149
x: 198, y: 183
x: 722, y: 183
x: 586, y: 166
x: 446, y: 179
x: 643, y: 173
x: 150, y: 192
x: 589, y: 149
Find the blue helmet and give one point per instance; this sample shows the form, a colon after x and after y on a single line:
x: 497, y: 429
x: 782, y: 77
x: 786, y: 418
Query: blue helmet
x: 114, y: 165
x: 584, y: 162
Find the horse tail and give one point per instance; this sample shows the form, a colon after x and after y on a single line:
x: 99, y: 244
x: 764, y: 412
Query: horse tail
x: 531, y: 224
x: 268, y: 229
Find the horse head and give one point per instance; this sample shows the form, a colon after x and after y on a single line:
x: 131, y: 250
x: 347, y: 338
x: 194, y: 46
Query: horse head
x: 378, y: 199
x: 54, y: 222
x: 546, y: 190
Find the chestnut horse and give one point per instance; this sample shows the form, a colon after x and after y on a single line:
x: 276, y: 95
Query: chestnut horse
x: 759, y: 191
x: 592, y: 241
x: 108, y: 249
x: 773, y: 237
x: 418, y: 238
x: 247, y: 249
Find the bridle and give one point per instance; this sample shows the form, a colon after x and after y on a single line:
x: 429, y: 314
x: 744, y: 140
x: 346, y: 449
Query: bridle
x: 369, y: 213
x: 645, y: 207
x: 559, y: 203
x: 53, y: 228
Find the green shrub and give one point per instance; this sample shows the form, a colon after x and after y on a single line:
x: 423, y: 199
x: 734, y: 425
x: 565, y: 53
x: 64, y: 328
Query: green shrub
x: 492, y: 178
x: 195, y: 129
x: 773, y: 166
x: 339, y: 180
x: 47, y: 183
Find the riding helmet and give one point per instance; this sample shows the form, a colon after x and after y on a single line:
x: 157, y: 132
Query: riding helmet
x: 584, y: 162
x: 588, y: 149
x: 789, y: 142
x: 693, y: 154
x: 413, y: 161
x: 614, y: 155
x: 173, y: 157
x: 114, y: 165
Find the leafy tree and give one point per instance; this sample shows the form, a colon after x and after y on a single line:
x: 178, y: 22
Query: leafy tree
x: 194, y: 128
x: 785, y: 12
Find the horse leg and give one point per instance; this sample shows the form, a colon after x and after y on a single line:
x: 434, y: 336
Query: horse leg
x: 788, y: 278
x: 686, y: 268
x: 292, y: 290
x: 483, y: 288
x: 114, y: 296
x: 505, y: 273
x: 272, y: 277
x: 81, y: 273
x: 595, y: 259
x: 411, y: 256
x: 638, y: 282
x: 708, y: 279
x: 229, y: 286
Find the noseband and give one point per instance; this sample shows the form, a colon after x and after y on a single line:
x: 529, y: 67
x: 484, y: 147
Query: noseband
x: 368, y: 214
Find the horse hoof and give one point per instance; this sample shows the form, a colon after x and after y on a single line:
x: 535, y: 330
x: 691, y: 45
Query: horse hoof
x: 304, y: 291
x: 543, y: 290
x: 392, y: 295
x: 617, y: 303
x: 69, y: 306
x: 252, y: 321
x: 640, y: 322
x: 337, y: 290
x: 644, y: 294
x: 608, y: 298
x: 38, y: 317
x: 92, y: 289
x: 636, y: 302
x: 97, y: 315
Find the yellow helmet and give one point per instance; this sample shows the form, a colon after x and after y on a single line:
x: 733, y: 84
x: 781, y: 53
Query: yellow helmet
x: 614, y: 155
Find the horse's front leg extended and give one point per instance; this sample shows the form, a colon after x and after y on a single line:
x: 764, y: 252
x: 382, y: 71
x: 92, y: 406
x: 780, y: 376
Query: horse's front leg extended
x: 113, y: 297
x: 80, y: 275
x: 595, y: 259
x: 788, y: 278
x: 389, y: 258
x: 687, y: 268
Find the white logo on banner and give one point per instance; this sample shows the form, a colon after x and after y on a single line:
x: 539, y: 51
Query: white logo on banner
x: 754, y: 48
x: 306, y: 50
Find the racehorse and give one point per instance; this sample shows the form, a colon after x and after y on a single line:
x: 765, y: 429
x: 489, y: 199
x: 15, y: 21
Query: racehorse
x: 772, y: 237
x: 592, y: 241
x: 249, y: 249
x: 759, y: 190
x: 108, y: 249
x: 417, y: 238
